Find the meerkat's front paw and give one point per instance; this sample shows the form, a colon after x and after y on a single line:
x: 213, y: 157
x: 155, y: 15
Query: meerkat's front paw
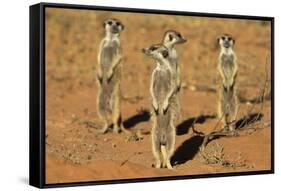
x: 155, y: 106
x: 99, y: 79
x: 165, y: 106
x: 109, y: 75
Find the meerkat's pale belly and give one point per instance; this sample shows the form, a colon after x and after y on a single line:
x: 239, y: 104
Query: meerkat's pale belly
x: 227, y: 63
x: 107, y: 57
x: 162, y: 85
x: 107, y: 87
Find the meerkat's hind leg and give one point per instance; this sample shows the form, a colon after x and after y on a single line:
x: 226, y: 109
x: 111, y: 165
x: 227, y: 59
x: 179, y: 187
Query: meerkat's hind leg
x: 106, y: 125
x: 119, y: 126
x: 170, y: 147
x: 164, y: 156
x: 106, y: 121
x: 221, y: 116
x: 157, y: 155
x: 117, y: 121
x: 166, y: 163
x: 104, y: 129
x: 156, y: 149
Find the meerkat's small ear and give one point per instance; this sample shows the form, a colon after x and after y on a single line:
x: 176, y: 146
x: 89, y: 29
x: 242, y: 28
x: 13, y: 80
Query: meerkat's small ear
x: 123, y: 27
x: 218, y: 40
x: 233, y: 41
x: 165, y: 53
x: 103, y: 24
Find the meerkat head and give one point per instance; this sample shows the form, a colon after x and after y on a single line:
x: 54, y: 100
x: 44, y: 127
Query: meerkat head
x: 173, y: 37
x: 113, y: 26
x: 226, y: 41
x: 158, y: 52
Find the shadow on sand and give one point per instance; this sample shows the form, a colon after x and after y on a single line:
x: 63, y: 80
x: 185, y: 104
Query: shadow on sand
x: 132, y: 121
x: 247, y: 120
x: 190, y: 147
x: 187, y: 150
x: 184, y: 126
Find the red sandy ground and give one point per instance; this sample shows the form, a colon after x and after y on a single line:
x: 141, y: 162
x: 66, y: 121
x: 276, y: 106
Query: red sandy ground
x: 74, y: 149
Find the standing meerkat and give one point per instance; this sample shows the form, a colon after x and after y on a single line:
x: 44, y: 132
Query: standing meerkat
x: 109, y: 76
x: 227, y: 61
x: 162, y: 88
x: 171, y: 38
x: 228, y: 68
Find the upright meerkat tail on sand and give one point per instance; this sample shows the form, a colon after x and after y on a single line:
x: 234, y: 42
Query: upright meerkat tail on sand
x: 164, y: 155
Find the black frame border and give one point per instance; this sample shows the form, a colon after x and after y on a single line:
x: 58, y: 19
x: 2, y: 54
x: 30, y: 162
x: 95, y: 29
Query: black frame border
x: 37, y: 93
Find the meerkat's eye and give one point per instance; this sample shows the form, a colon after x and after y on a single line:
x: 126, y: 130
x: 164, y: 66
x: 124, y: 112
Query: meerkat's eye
x: 223, y: 37
x: 179, y: 35
x: 165, y: 53
x: 152, y: 48
x: 170, y: 37
x: 109, y: 22
x: 118, y: 23
x: 229, y: 38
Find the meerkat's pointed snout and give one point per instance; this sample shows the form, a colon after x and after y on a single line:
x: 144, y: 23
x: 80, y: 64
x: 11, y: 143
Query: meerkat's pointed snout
x: 182, y: 40
x: 144, y: 50
x: 147, y: 52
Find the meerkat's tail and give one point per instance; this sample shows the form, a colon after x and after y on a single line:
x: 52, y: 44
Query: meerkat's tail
x: 164, y: 155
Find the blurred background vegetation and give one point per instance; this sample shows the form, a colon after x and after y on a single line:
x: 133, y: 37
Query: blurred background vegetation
x: 73, y: 37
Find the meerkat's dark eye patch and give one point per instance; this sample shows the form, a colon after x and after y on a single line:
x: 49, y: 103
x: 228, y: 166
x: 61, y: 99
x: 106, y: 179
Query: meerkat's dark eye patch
x: 118, y: 23
x: 223, y: 37
x: 152, y: 48
x: 109, y: 22
x: 165, y: 53
x: 170, y: 37
x: 179, y: 35
x: 230, y: 39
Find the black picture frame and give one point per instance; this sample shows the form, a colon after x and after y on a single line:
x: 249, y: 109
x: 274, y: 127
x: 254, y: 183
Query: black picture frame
x: 37, y: 93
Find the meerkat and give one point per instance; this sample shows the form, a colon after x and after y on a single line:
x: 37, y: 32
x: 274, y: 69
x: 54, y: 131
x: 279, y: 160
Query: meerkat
x: 172, y: 38
x: 162, y: 89
x: 228, y: 68
x: 109, y: 76
x: 227, y: 60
